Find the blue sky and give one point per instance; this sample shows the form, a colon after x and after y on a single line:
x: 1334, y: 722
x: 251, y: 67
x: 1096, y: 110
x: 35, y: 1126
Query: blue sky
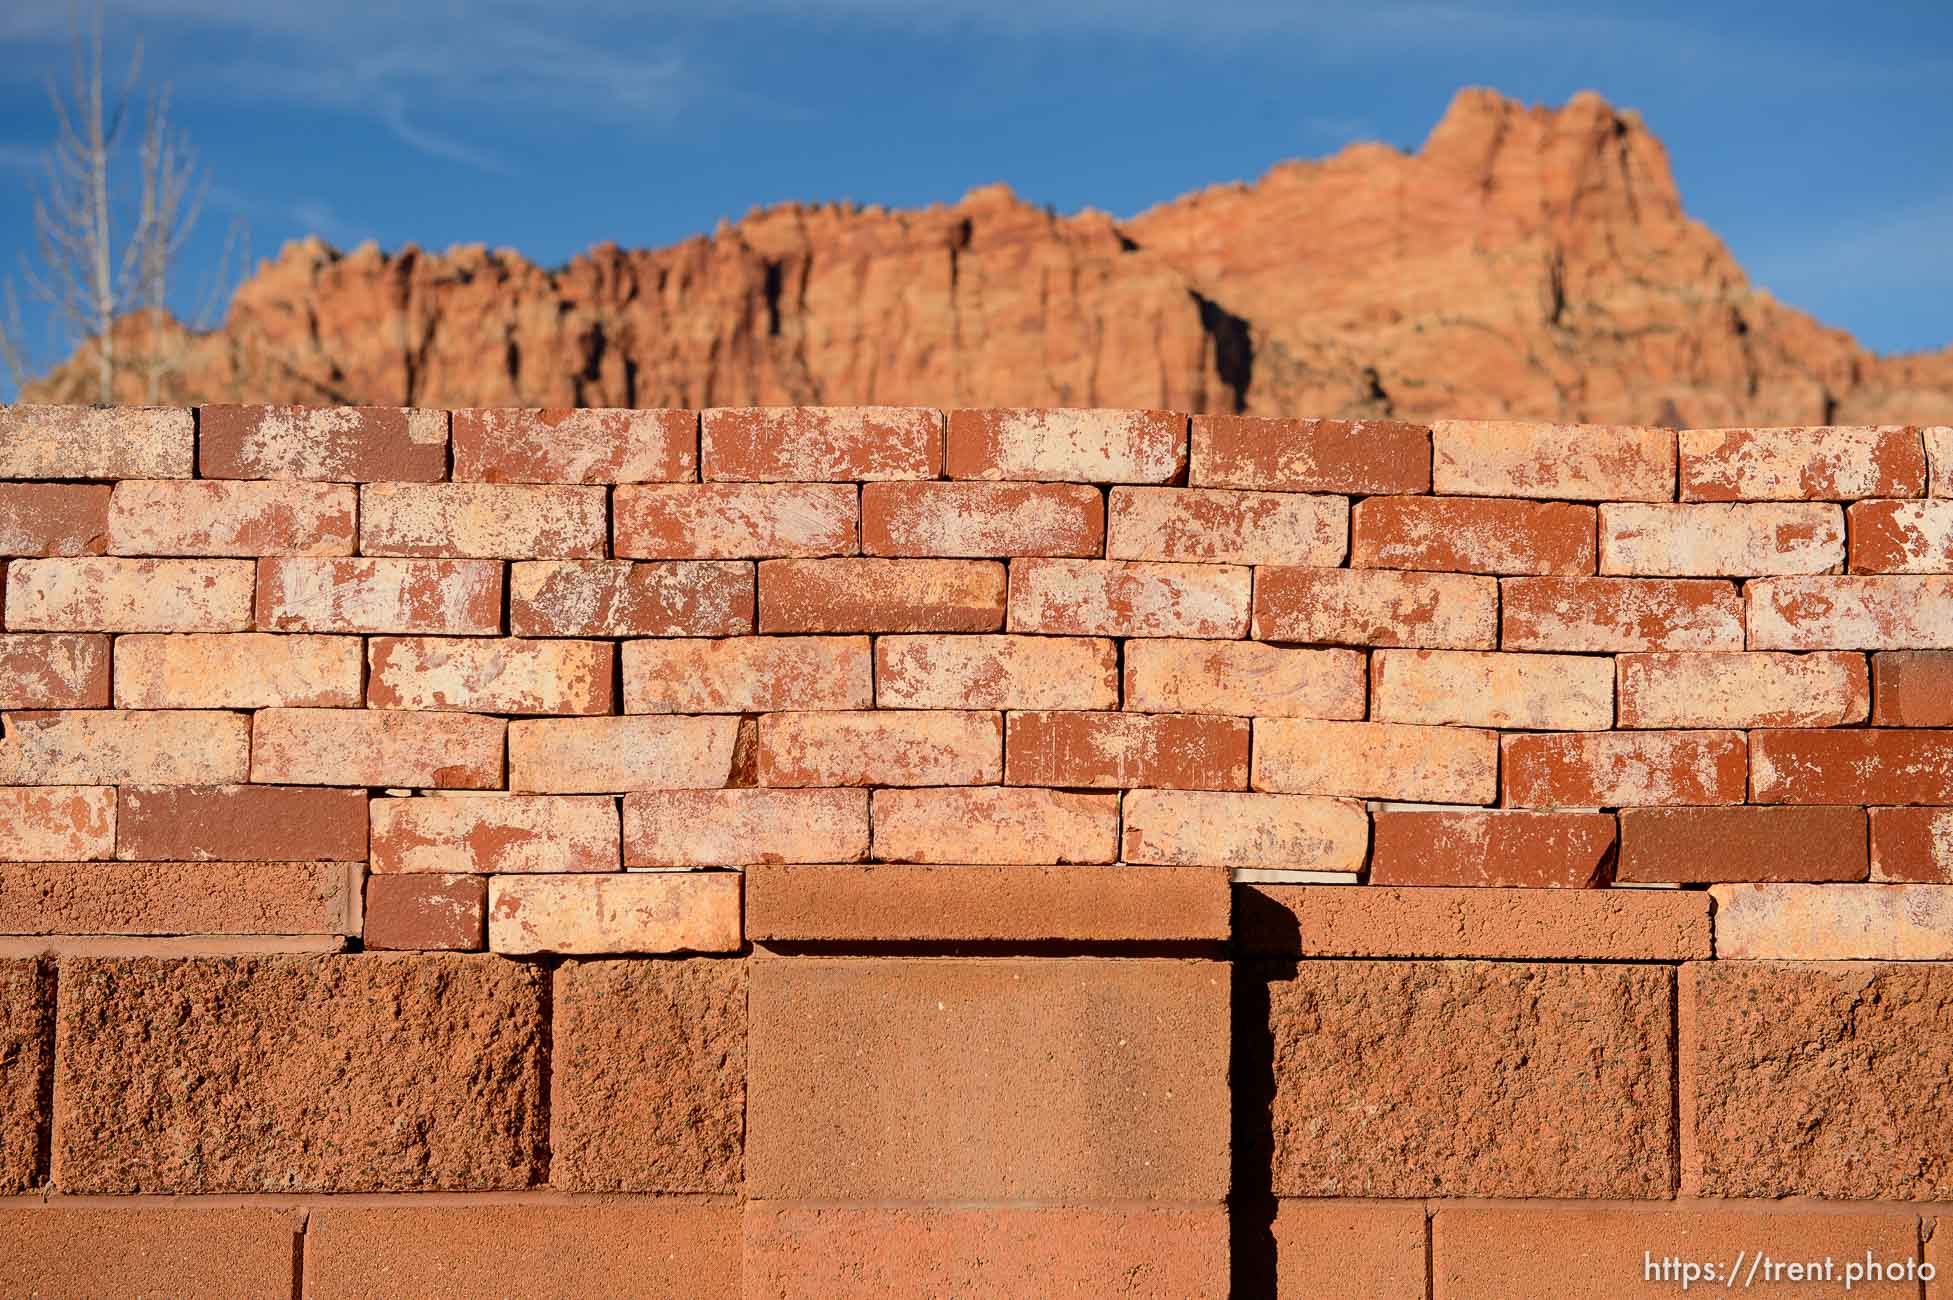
x: 1816, y: 138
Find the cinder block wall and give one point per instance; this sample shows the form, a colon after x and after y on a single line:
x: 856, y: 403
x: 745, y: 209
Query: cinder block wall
x: 873, y: 852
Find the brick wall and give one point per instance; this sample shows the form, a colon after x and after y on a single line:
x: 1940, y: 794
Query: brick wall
x: 875, y: 852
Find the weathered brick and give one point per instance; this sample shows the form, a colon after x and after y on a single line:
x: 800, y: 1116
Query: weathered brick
x: 1909, y: 689
x: 519, y: 833
x: 1353, y: 1250
x: 563, y: 445
x: 119, y: 595
x: 1124, y: 598
x: 1902, y: 537
x: 875, y: 595
x: 1834, y: 463
x: 240, y: 823
x: 734, y: 521
x: 211, y: 517
x: 1087, y: 446
x: 641, y: 912
x: 609, y: 755
x: 649, y: 1076
x: 1851, y: 613
x: 1722, y: 541
x: 1754, y: 689
x: 1834, y: 922
x: 731, y: 828
x: 1692, y: 845
x: 1183, y: 751
x: 230, y: 1099
x: 124, y: 747
x: 1912, y: 844
x: 1622, y: 769
x: 53, y: 518
x: 1245, y: 678
x: 26, y: 1062
x: 1608, y: 615
x: 1357, y: 457
x: 1472, y: 535
x: 218, y: 1254
x: 815, y: 444
x: 982, y: 519
x: 1888, y: 766
x: 877, y: 1079
x: 1482, y: 689
x: 985, y: 825
x: 907, y: 747
x: 1840, y: 1052
x: 238, y: 670
x: 56, y: 823
x: 1376, y: 607
x: 1227, y: 829
x: 1939, y: 459
x: 1576, y: 462
x: 1213, y: 526
x: 459, y: 751
x: 427, y: 912
x: 516, y: 521
x: 162, y: 898
x: 96, y: 442
x: 1376, y: 760
x: 53, y: 670
x: 1500, y: 848
x: 996, y: 672
x: 618, y: 598
x: 351, y: 444
x: 505, y: 675
x: 410, y: 597
x: 748, y: 674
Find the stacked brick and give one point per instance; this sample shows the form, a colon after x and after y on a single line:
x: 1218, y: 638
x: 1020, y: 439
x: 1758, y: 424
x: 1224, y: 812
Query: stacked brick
x: 869, y: 851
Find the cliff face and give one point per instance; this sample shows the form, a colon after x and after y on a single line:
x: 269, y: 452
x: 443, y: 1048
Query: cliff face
x: 1525, y: 262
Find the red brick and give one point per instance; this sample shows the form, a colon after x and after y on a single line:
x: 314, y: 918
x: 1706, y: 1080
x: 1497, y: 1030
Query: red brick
x: 1482, y: 689
x: 26, y: 1061
x: 1721, y: 541
x: 618, y: 598
x: 1912, y: 689
x: 562, y: 445
x: 881, y: 747
x: 1608, y: 615
x: 517, y: 833
x: 427, y: 912
x: 1353, y: 1250
x: 56, y: 823
x: 411, y: 597
x: 117, y: 747
x: 1376, y: 760
x: 157, y: 898
x: 53, y: 670
x: 221, y: 1254
x: 96, y: 442
x: 1472, y: 535
x: 1890, y: 766
x: 982, y: 519
x: 214, y: 518
x: 505, y: 675
x: 1804, y: 464
x: 1121, y: 598
x: 238, y: 670
x: 873, y: 595
x: 1245, y: 678
x: 1851, y: 613
x: 1834, y: 922
x: 1753, y: 689
x: 1089, y: 446
x: 1357, y: 457
x: 1228, y: 829
x: 809, y: 444
x: 1622, y: 769
x: 609, y: 755
x: 734, y: 521
x: 408, y: 1252
x: 732, y: 828
x: 1579, y: 462
x: 893, y: 1078
x: 1502, y: 848
x: 985, y: 825
x: 53, y: 519
x: 1210, y: 526
x: 1902, y: 537
x: 240, y: 823
x: 1912, y: 844
x: 1693, y: 845
x: 748, y: 674
x: 516, y: 521
x: 1179, y: 751
x: 1376, y: 607
x: 815, y: 1252
x: 456, y: 751
x: 643, y: 912
x: 996, y: 672
x: 118, y: 595
x: 350, y: 444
